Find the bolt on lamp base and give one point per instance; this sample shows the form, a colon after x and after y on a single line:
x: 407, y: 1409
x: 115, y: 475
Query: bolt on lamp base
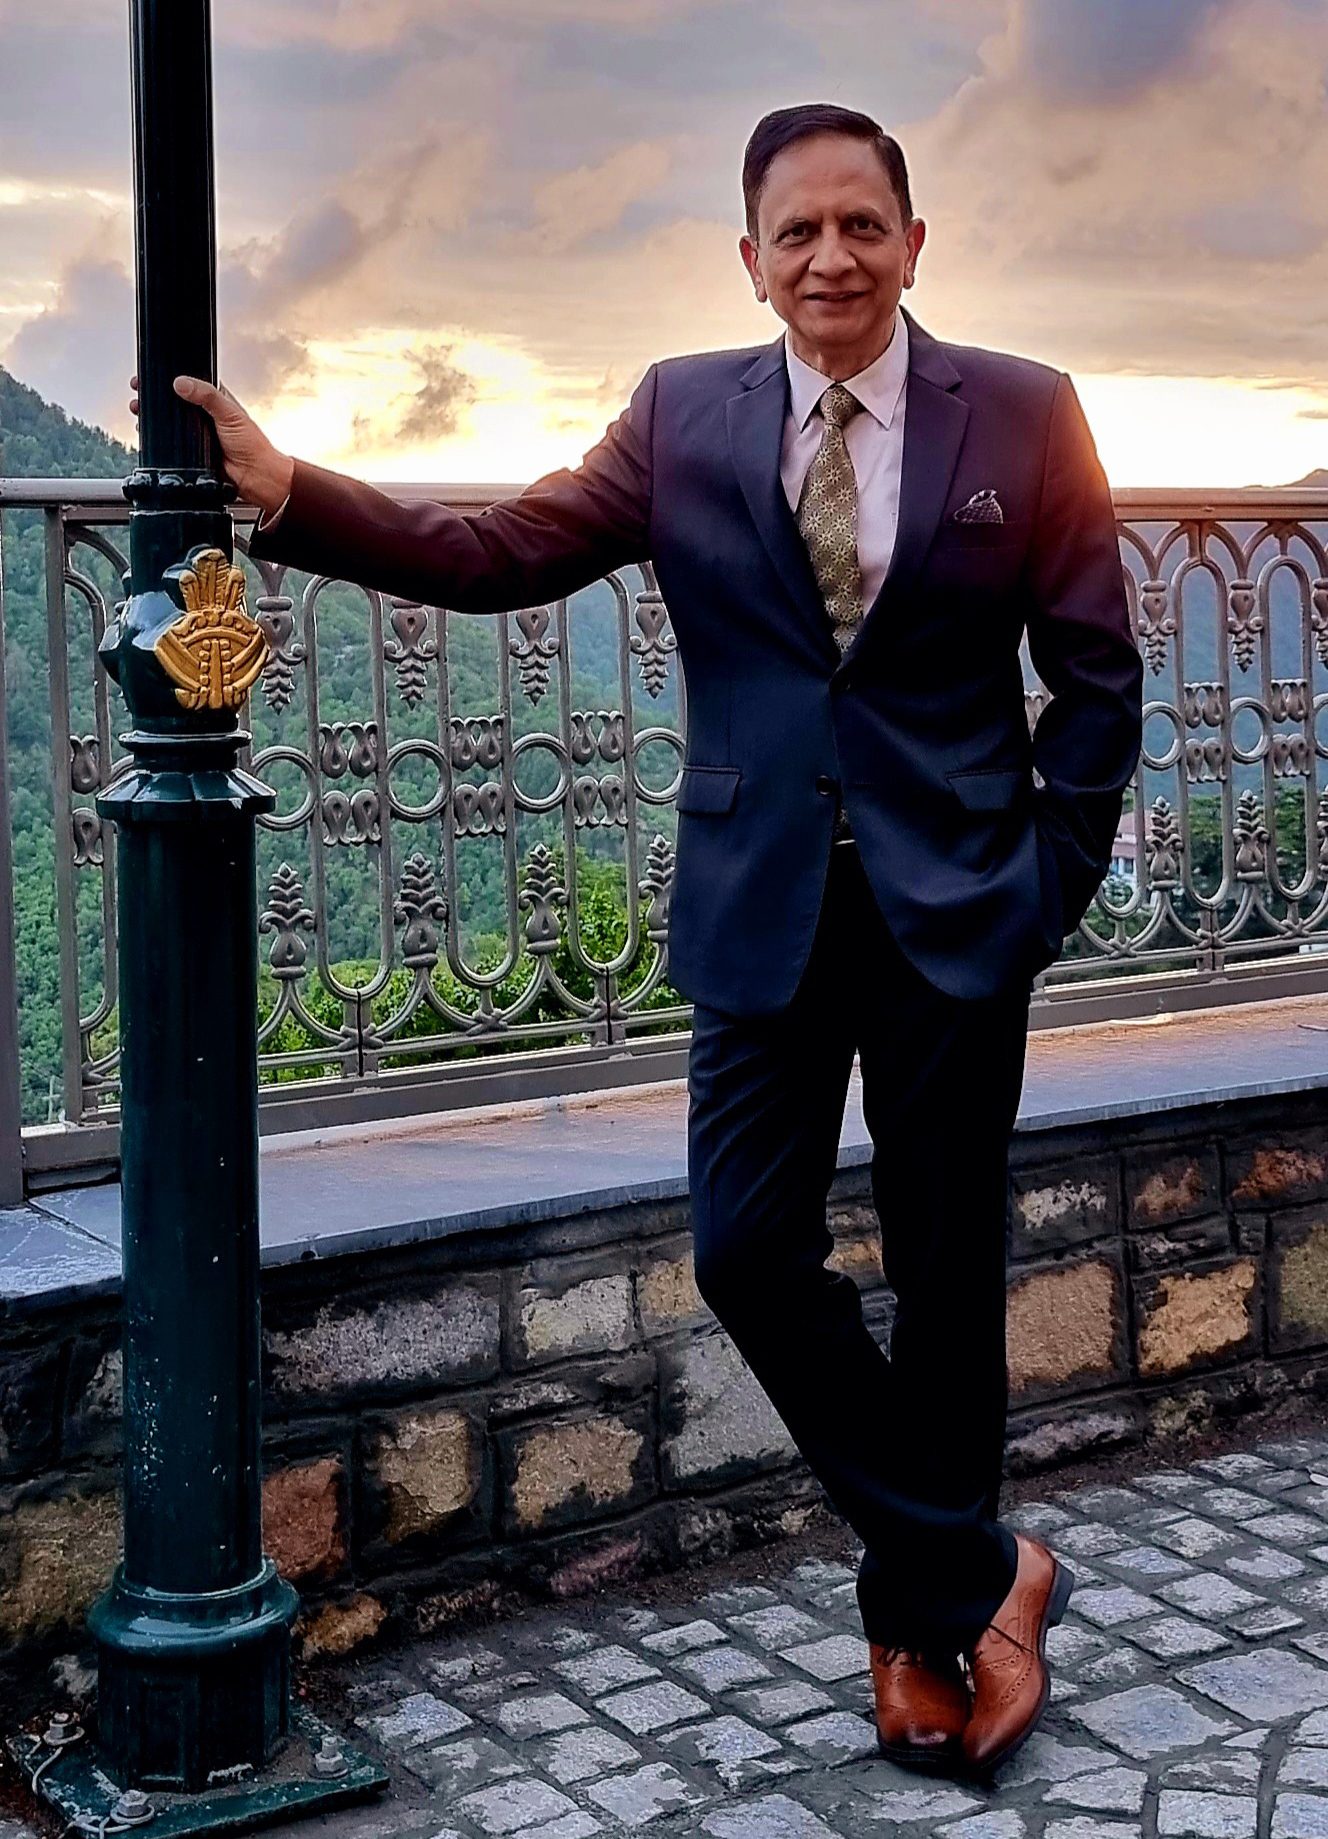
x: 313, y: 1771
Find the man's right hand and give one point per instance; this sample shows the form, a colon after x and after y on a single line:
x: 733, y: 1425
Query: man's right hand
x: 261, y: 472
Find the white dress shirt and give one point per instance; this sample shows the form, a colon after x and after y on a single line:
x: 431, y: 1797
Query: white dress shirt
x: 875, y: 441
x: 264, y: 522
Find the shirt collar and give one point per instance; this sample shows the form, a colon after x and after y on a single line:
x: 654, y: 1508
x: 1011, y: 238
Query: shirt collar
x: 878, y: 388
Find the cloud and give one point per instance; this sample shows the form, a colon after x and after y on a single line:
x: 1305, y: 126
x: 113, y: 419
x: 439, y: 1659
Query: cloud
x: 406, y: 185
x: 273, y: 297
x: 80, y: 350
x: 1093, y: 51
x: 435, y: 409
x: 1131, y: 229
x: 360, y: 25
x: 573, y: 206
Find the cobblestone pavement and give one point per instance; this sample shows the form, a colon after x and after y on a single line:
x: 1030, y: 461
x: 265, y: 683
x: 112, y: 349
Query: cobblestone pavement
x: 1190, y: 1693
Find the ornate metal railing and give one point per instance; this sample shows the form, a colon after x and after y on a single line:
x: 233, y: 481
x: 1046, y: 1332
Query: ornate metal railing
x: 464, y: 887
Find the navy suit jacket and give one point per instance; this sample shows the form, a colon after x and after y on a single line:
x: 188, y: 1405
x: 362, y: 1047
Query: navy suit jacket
x: 980, y: 867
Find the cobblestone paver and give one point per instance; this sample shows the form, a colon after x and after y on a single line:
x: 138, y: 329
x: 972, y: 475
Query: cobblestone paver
x: 1190, y: 1693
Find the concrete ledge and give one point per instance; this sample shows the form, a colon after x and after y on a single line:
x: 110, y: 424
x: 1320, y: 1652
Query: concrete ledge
x: 354, y: 1189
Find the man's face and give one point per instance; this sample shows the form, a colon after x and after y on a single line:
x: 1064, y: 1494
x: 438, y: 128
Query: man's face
x: 832, y: 253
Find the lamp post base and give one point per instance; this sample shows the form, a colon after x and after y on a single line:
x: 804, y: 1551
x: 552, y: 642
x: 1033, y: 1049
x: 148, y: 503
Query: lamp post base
x: 191, y: 1685
x: 313, y: 1771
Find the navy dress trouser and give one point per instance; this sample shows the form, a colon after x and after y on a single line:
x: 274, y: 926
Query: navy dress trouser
x: 907, y: 1445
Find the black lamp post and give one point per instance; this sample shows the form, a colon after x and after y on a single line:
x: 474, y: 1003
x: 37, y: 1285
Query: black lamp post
x: 193, y: 1635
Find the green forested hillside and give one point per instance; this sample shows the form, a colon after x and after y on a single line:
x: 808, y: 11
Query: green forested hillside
x: 39, y: 440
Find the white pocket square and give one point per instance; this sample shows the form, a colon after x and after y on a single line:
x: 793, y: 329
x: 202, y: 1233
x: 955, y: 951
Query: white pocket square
x: 983, y: 507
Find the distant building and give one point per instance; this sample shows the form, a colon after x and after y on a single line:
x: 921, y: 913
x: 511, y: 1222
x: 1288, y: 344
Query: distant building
x: 1124, y: 853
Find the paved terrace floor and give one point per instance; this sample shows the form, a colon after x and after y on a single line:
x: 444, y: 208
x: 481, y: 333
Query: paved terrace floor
x: 353, y: 1187
x: 1190, y: 1691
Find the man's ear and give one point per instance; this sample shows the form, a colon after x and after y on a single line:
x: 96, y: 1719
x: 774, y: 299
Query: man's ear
x: 914, y: 236
x: 751, y: 261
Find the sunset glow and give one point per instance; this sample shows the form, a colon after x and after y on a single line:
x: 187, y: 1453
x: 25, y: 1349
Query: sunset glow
x: 453, y: 234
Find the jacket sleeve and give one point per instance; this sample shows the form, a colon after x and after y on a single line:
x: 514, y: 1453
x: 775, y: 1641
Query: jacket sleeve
x: 1087, y: 738
x: 564, y: 531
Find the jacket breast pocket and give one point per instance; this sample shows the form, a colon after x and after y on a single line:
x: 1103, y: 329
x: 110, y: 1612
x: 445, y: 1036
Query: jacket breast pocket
x: 974, y: 535
x: 708, y: 788
x: 977, y: 558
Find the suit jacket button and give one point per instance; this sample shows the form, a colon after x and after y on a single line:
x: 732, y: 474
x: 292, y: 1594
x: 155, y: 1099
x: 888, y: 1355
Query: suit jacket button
x: 826, y: 785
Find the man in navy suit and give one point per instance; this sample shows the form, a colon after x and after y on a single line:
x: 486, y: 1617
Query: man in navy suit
x: 852, y: 527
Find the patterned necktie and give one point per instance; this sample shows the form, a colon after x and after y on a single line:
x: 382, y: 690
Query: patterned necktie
x: 828, y: 520
x: 828, y: 517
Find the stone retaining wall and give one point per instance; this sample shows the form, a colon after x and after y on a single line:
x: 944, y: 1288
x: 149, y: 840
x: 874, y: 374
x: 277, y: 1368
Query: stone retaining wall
x: 549, y: 1406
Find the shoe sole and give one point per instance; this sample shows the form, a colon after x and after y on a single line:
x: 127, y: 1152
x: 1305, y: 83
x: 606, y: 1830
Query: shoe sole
x: 1062, y: 1582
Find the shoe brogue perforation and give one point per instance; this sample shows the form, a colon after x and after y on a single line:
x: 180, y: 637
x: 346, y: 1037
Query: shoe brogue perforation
x: 1007, y: 1664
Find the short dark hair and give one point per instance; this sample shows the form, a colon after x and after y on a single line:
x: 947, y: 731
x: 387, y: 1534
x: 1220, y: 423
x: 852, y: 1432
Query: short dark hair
x: 782, y: 127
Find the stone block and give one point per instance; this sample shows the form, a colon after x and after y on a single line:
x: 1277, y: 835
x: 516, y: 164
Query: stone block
x: 1188, y: 1317
x: 583, y: 1385
x: 94, y: 1393
x: 717, y: 1421
x: 1150, y: 1720
x: 667, y: 1296
x: 1298, y: 1302
x: 1162, y: 1186
x: 853, y: 1216
x: 423, y: 1469
x: 393, y: 1343
x: 1281, y: 1169
x: 523, y: 1804
x: 572, y: 1756
x: 304, y: 1519
x: 653, y: 1707
x: 1055, y: 1207
x: 1262, y: 1686
x: 417, y: 1719
x: 859, y: 1258
x: 777, y: 1504
x: 56, y: 1558
x: 1063, y: 1326
x: 558, y: 1472
x: 1191, y: 1814
x: 562, y: 1306
x: 856, y: 1229
x: 1215, y: 1397
x: 595, y: 1564
x: 1186, y: 1242
x: 341, y: 1627
x: 29, y: 1400
x: 644, y: 1795
x: 1043, y: 1440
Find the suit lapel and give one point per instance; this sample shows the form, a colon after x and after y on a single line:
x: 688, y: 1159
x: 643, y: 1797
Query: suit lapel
x: 755, y: 418
x: 935, y: 419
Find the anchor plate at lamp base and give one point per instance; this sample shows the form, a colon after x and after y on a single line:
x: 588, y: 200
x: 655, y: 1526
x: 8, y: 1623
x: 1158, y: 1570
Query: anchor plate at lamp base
x: 313, y: 1771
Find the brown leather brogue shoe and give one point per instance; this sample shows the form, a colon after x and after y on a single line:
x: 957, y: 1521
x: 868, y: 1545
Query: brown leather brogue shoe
x: 1008, y: 1663
x: 922, y: 1707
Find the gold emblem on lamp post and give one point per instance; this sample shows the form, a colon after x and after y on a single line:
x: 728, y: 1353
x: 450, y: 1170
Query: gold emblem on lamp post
x: 215, y: 652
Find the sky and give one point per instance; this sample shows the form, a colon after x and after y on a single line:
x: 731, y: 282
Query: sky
x: 452, y: 234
